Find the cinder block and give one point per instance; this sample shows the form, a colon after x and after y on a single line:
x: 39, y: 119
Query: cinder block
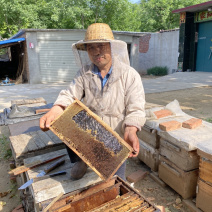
x: 162, y: 113
x: 136, y: 176
x: 170, y: 125
x: 91, y: 139
x: 192, y: 123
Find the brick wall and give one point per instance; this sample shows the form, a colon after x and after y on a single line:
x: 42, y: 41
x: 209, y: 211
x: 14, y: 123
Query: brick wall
x: 144, y: 43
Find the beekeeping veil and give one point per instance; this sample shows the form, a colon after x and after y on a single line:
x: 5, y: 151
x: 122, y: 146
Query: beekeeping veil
x: 100, y: 33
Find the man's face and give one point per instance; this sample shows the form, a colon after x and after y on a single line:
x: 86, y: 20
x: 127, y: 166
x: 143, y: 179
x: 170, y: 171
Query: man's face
x: 100, y: 54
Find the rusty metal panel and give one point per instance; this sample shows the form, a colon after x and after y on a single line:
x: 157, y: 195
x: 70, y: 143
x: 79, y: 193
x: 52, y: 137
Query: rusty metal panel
x: 91, y: 139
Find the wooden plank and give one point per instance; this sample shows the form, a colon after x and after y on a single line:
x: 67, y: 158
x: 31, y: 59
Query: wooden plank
x: 190, y: 205
x: 93, y: 200
x: 51, y: 187
x: 24, y: 127
x: 78, y: 194
x: 28, y: 101
x: 34, y: 164
x: 37, y: 140
x: 42, y: 111
x: 52, y: 203
x: 53, y: 137
x: 18, y: 146
x: 91, y: 139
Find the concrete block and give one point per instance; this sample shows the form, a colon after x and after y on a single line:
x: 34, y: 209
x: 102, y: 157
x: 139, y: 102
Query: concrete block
x: 170, y: 125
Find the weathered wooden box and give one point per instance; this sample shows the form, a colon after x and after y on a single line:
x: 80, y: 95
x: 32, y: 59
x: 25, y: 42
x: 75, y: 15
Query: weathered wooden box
x: 204, y: 196
x: 91, y: 139
x: 149, y: 135
x: 204, y: 187
x: 33, y: 143
x: 183, y: 182
x: 205, y: 167
x: 50, y: 187
x: 113, y: 195
x: 183, y: 159
x: 149, y: 155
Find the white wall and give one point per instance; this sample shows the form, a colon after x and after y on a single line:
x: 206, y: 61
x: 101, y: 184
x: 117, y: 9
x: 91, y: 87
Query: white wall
x: 162, y: 51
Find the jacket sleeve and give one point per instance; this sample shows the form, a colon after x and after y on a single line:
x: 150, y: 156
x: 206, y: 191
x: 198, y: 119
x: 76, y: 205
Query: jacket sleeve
x: 75, y: 89
x: 134, y: 101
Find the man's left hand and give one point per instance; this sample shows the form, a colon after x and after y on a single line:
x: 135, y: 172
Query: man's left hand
x: 131, y: 138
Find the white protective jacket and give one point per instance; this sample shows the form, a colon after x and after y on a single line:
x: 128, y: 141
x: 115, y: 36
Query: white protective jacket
x: 120, y: 103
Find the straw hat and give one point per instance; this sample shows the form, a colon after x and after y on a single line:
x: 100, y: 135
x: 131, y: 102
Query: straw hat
x: 96, y: 33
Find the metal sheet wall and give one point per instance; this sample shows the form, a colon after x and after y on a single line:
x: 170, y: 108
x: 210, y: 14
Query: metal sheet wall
x: 57, y: 62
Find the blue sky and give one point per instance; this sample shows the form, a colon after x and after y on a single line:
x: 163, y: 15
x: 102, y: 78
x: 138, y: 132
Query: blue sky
x: 133, y: 1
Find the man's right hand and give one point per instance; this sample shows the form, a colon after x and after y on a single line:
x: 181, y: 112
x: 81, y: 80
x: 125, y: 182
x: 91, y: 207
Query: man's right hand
x: 46, y: 120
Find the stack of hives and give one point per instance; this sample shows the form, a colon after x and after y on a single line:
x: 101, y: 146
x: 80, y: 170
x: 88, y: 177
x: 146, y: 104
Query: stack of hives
x: 149, y: 143
x: 178, y: 158
x: 149, y: 147
x: 204, y: 186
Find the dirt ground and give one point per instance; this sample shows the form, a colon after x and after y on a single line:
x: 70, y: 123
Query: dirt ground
x: 196, y: 102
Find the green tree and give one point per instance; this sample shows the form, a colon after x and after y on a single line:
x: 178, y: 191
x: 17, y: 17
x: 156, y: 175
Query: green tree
x: 67, y: 14
x: 157, y: 14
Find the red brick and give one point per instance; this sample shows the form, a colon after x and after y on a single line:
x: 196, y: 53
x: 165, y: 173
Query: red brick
x: 136, y: 176
x: 162, y: 113
x: 192, y: 123
x: 170, y: 125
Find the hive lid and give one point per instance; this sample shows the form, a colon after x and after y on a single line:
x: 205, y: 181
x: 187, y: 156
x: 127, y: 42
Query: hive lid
x: 91, y: 139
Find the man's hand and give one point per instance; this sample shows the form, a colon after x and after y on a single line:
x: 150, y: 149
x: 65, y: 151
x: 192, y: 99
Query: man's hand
x: 50, y: 116
x: 131, y: 138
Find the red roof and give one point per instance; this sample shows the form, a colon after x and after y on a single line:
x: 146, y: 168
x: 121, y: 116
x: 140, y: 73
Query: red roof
x: 195, y: 8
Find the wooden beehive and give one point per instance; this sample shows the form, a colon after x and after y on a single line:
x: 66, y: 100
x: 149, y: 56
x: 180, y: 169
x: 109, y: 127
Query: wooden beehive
x: 113, y: 195
x: 204, y: 187
x: 183, y: 182
x: 91, y: 139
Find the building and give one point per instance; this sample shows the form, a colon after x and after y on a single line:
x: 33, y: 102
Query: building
x: 45, y: 55
x: 195, y: 39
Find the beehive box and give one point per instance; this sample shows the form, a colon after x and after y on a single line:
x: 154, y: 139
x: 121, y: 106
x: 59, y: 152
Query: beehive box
x: 183, y: 159
x: 113, y: 195
x: 149, y: 135
x: 204, y: 188
x: 91, y: 139
x: 183, y: 182
x: 204, y: 196
x: 149, y: 155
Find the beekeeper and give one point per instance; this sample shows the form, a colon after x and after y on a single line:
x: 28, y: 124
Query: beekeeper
x: 108, y: 86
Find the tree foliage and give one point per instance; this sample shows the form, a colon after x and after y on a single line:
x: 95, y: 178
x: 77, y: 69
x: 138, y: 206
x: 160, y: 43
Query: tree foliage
x: 157, y: 14
x: 67, y: 14
x: 149, y: 15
